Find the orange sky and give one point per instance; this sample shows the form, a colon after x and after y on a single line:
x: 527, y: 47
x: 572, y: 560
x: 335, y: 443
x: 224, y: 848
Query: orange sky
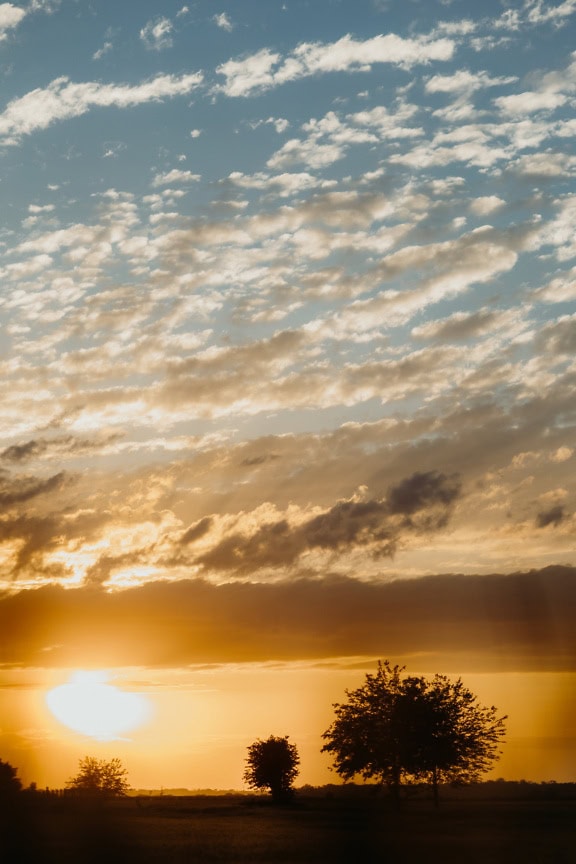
x: 203, y: 720
x: 222, y: 665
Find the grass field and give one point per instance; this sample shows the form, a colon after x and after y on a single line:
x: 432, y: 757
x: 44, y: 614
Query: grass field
x: 312, y: 830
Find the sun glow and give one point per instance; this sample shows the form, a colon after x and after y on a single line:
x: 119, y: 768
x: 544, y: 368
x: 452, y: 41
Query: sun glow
x: 89, y: 705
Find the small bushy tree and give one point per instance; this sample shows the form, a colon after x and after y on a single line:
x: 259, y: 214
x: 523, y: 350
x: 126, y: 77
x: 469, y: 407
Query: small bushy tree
x: 398, y: 727
x: 99, y: 777
x: 273, y: 765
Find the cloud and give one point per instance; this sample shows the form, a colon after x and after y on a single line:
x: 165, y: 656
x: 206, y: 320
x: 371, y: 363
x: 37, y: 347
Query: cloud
x: 424, y: 501
x: 157, y: 34
x: 17, y: 490
x: 329, y: 138
x: 264, y: 70
x: 285, y: 184
x: 459, y: 326
x: 486, y: 204
x: 521, y: 621
x: 530, y: 102
x: 63, y: 99
x: 539, y: 12
x: 559, y: 337
x: 422, y: 491
x: 174, y: 176
x: 554, y: 516
x: 10, y: 17
x: 68, y: 445
x: 106, y: 48
x: 464, y: 81
x: 223, y: 21
x: 196, y: 531
x: 545, y: 165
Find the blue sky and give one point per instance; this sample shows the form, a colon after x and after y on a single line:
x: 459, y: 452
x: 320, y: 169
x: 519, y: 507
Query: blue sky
x: 287, y: 342
x: 242, y: 235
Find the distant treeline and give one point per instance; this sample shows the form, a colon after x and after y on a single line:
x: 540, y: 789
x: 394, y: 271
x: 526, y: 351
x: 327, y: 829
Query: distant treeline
x: 488, y: 789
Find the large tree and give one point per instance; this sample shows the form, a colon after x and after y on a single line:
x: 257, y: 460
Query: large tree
x: 100, y: 777
x: 398, y: 727
x: 273, y: 765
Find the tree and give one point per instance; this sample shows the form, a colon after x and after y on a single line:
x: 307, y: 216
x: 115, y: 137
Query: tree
x: 399, y: 727
x: 273, y: 765
x: 100, y: 777
x: 10, y: 784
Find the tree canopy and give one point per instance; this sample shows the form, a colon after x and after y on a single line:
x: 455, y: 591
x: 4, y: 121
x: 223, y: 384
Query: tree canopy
x: 398, y: 727
x: 273, y: 765
x: 9, y: 781
x: 100, y: 777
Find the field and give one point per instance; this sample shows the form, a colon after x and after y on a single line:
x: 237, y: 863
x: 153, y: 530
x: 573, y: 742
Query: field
x: 311, y: 830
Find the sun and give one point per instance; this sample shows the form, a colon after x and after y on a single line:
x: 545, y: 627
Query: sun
x: 89, y: 705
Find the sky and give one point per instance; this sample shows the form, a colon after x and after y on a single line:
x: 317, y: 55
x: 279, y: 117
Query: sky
x: 287, y: 340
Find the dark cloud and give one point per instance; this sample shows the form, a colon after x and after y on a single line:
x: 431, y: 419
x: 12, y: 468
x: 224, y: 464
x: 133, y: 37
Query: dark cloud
x: 422, y: 490
x: 554, y: 516
x: 63, y: 445
x: 39, y: 535
x: 521, y: 621
x: 36, y: 534
x: 424, y: 500
x: 254, y: 461
x: 23, y: 452
x: 17, y: 490
x: 196, y: 531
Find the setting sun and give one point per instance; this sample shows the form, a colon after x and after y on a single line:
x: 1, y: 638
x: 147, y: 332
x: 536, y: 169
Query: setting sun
x: 89, y: 705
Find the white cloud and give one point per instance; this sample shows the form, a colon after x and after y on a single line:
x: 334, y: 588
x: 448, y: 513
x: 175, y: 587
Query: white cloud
x: 195, y: 133
x: 329, y: 138
x: 545, y: 165
x: 530, y: 102
x: 63, y: 99
x: 284, y: 184
x: 486, y: 204
x: 10, y: 17
x: 280, y: 124
x: 38, y: 208
x: 157, y: 34
x: 174, y: 176
x: 562, y: 289
x: 251, y: 74
x: 464, y: 81
x: 309, y: 152
x: 542, y: 13
x: 106, y: 48
x: 257, y: 72
x: 223, y: 21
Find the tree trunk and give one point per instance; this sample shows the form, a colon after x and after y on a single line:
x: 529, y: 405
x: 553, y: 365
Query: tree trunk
x: 435, y: 791
x: 395, y: 787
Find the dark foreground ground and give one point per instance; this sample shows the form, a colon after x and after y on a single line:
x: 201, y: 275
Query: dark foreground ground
x: 311, y: 830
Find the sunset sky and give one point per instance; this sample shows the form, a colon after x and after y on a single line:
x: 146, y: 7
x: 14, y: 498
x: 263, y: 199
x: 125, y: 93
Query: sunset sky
x: 287, y: 340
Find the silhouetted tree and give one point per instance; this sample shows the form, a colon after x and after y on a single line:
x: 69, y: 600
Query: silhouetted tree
x: 396, y: 727
x: 273, y: 765
x: 100, y: 777
x: 10, y: 784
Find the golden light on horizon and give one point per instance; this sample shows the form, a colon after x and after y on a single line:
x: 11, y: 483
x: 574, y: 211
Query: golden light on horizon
x: 91, y: 706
